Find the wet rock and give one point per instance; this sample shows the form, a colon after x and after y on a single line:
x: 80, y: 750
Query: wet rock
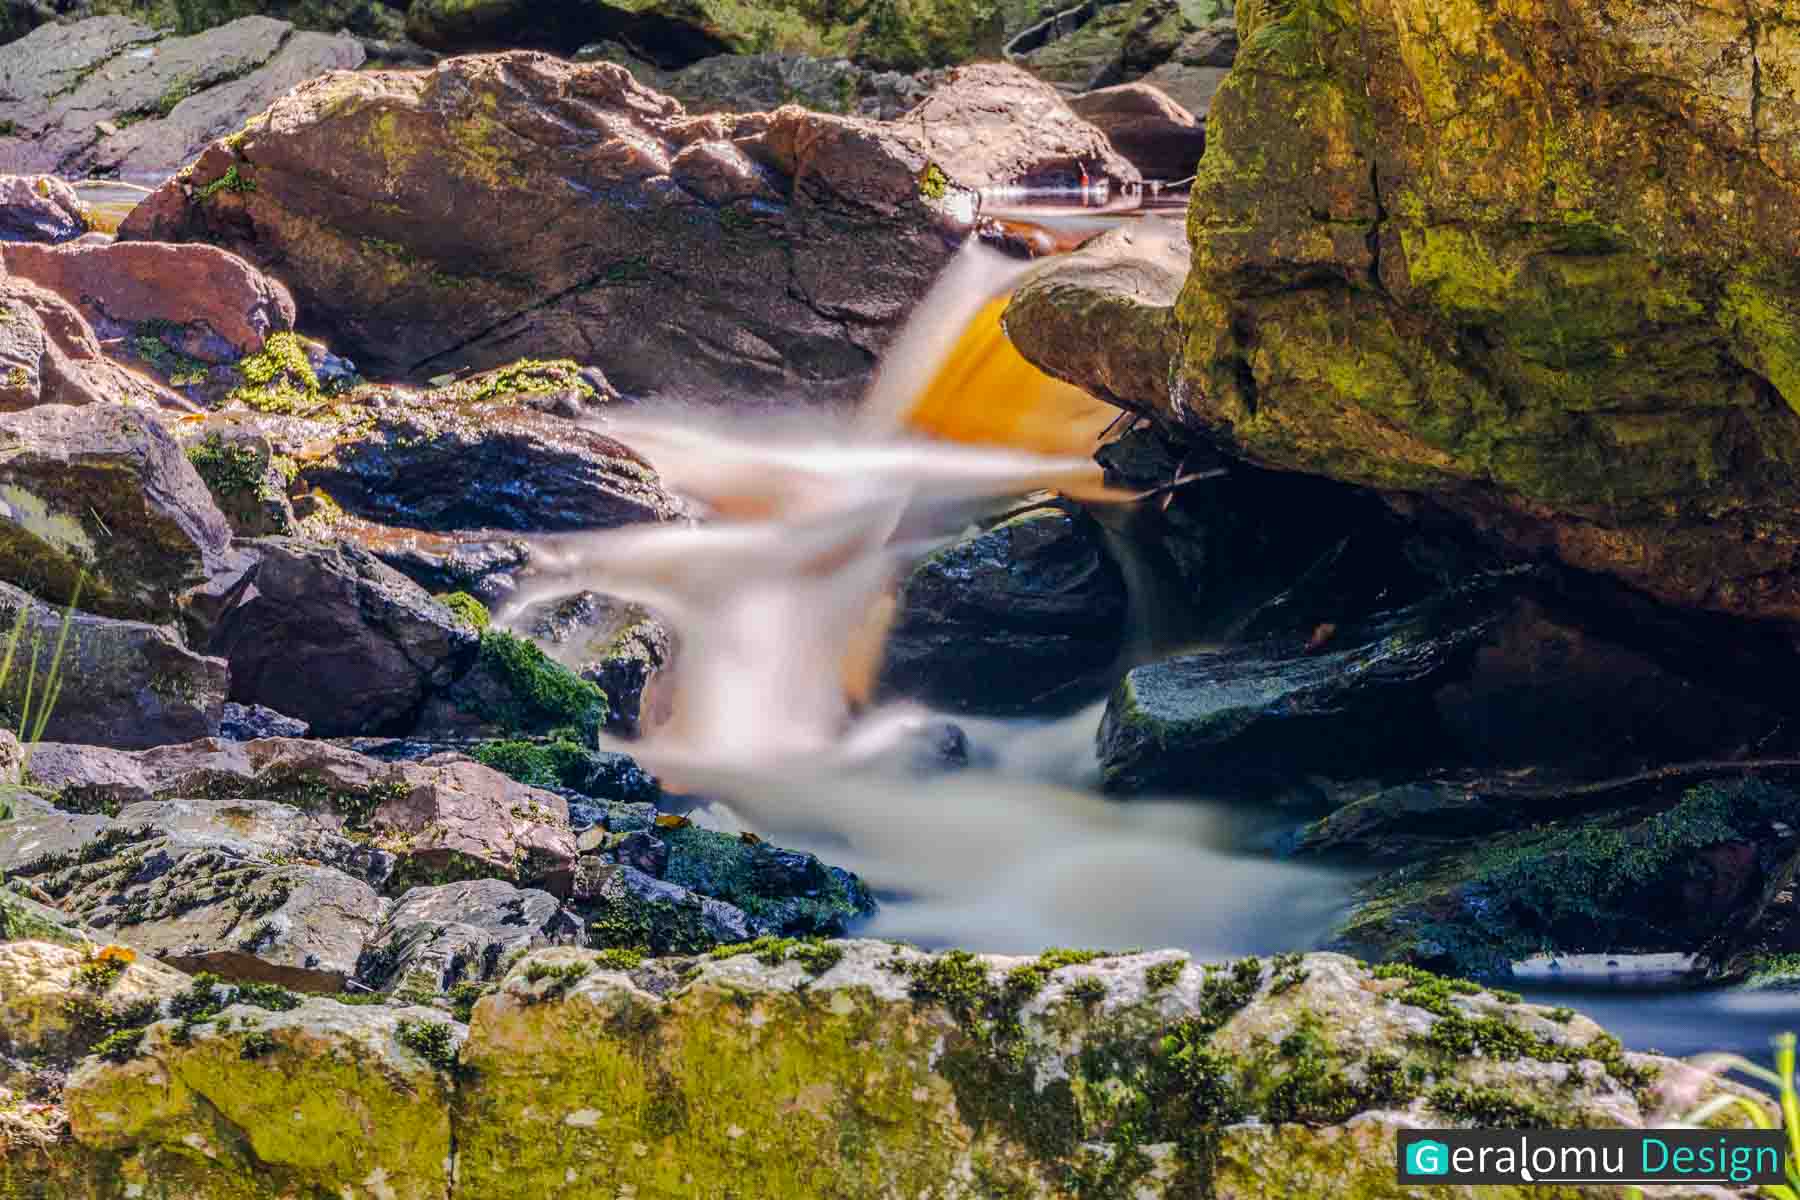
x: 120, y: 286
x: 810, y: 235
x: 446, y: 470
x: 1192, y: 77
x: 461, y: 561
x: 628, y: 909
x: 1162, y: 139
x: 336, y: 639
x: 1086, y: 46
x: 1104, y: 316
x: 1691, y: 874
x: 387, y: 1117
x: 780, y: 891
x: 39, y: 208
x: 1029, y: 613
x: 137, y: 684
x: 104, y: 494
x: 50, y: 355
x: 115, y: 97
x: 514, y: 688
x: 435, y: 938
x: 620, y: 648
x: 248, y: 723
x: 210, y: 886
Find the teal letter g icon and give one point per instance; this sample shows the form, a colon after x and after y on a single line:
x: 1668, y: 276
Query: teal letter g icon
x: 1427, y: 1158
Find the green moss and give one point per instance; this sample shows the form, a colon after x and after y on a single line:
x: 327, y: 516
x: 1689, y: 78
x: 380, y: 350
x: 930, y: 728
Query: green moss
x: 933, y: 183
x: 228, y: 469
x: 279, y: 378
x: 230, y: 181
x: 561, y: 978
x: 467, y: 609
x: 816, y: 955
x: 538, y: 764
x: 544, y: 693
x: 1488, y: 1108
x: 1161, y: 976
x: 258, y: 1043
x: 619, y: 959
x: 120, y: 1046
x: 527, y: 377
x: 433, y: 1041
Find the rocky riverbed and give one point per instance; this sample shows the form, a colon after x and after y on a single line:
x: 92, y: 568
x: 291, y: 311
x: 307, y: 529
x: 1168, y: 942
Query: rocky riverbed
x: 506, y: 699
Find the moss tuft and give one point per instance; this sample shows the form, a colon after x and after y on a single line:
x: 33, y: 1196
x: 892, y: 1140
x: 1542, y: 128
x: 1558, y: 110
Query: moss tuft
x: 467, y: 609
x: 433, y: 1041
x: 544, y: 693
x: 279, y: 378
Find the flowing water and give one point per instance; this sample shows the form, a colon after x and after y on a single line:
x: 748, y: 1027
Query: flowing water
x: 781, y: 600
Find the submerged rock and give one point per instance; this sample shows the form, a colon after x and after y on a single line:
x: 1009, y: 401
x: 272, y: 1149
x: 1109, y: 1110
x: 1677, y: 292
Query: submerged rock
x: 1028, y: 614
x: 744, y: 256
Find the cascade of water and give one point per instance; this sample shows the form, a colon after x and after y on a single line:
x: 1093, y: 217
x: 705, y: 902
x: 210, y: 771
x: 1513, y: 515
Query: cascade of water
x: 781, y: 601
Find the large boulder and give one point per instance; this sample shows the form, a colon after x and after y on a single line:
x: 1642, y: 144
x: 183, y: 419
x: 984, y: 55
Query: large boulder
x: 724, y: 257
x: 113, y: 96
x: 1568, y: 318
x: 332, y: 636
x: 435, y: 939
x: 122, y: 285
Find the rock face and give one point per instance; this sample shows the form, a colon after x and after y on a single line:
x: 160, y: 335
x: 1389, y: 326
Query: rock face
x: 120, y: 286
x: 1024, y: 615
x: 845, y: 1071
x: 335, y: 638
x: 1534, y: 311
x: 112, y: 96
x: 809, y: 235
x: 436, y: 938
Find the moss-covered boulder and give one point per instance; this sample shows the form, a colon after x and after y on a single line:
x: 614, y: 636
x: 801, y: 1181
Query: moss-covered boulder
x: 1691, y: 873
x: 1437, y: 254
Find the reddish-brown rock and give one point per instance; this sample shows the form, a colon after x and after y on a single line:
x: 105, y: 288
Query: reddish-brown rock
x: 117, y: 286
x: 507, y: 205
x: 49, y: 355
x: 1160, y: 137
